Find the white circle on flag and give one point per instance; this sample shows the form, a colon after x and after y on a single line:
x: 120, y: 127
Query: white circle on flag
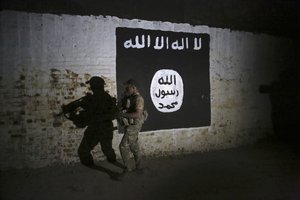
x: 166, y: 90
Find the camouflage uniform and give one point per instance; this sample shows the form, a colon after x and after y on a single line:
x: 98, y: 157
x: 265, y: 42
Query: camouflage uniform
x: 129, y: 143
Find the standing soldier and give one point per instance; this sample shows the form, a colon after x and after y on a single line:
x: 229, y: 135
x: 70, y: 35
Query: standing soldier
x: 134, y: 113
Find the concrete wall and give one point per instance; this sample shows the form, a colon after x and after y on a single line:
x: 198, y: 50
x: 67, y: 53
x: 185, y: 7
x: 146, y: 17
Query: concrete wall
x: 46, y: 59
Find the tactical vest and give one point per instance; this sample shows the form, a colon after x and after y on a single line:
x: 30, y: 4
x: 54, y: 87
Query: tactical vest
x: 132, y: 104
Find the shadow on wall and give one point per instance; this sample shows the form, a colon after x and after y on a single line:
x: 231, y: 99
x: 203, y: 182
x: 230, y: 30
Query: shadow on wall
x: 95, y: 112
x: 285, y: 101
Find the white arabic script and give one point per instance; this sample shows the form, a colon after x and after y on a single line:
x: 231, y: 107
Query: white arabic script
x: 162, y: 42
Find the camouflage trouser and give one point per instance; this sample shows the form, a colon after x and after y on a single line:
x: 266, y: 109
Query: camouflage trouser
x: 129, y: 144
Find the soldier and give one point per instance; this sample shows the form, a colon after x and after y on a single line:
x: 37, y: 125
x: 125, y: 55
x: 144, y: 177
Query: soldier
x: 134, y: 114
x: 97, y: 112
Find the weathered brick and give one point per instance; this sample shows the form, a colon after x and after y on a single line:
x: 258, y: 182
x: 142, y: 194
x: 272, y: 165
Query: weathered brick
x: 48, y: 59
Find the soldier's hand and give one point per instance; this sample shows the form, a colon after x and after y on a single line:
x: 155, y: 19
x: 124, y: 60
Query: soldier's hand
x: 122, y: 114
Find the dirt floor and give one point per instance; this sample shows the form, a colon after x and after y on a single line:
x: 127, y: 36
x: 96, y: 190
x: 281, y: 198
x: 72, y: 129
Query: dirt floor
x: 265, y: 170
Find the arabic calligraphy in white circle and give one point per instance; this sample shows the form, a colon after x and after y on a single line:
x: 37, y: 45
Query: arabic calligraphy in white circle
x: 166, y: 90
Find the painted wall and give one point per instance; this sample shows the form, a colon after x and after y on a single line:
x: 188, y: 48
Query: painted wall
x: 46, y: 59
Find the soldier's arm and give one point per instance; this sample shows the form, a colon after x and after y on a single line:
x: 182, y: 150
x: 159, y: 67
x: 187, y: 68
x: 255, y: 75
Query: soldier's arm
x: 135, y: 115
x: 139, y: 110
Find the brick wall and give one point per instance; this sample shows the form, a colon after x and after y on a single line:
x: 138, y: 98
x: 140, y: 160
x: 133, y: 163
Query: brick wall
x: 46, y: 59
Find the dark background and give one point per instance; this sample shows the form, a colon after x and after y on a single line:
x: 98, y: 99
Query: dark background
x: 276, y: 17
x: 193, y: 67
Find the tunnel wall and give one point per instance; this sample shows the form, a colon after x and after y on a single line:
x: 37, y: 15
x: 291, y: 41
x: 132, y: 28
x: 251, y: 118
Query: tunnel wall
x: 46, y: 59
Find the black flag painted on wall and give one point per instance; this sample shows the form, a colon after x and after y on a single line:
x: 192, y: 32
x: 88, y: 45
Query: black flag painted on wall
x: 172, y: 69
